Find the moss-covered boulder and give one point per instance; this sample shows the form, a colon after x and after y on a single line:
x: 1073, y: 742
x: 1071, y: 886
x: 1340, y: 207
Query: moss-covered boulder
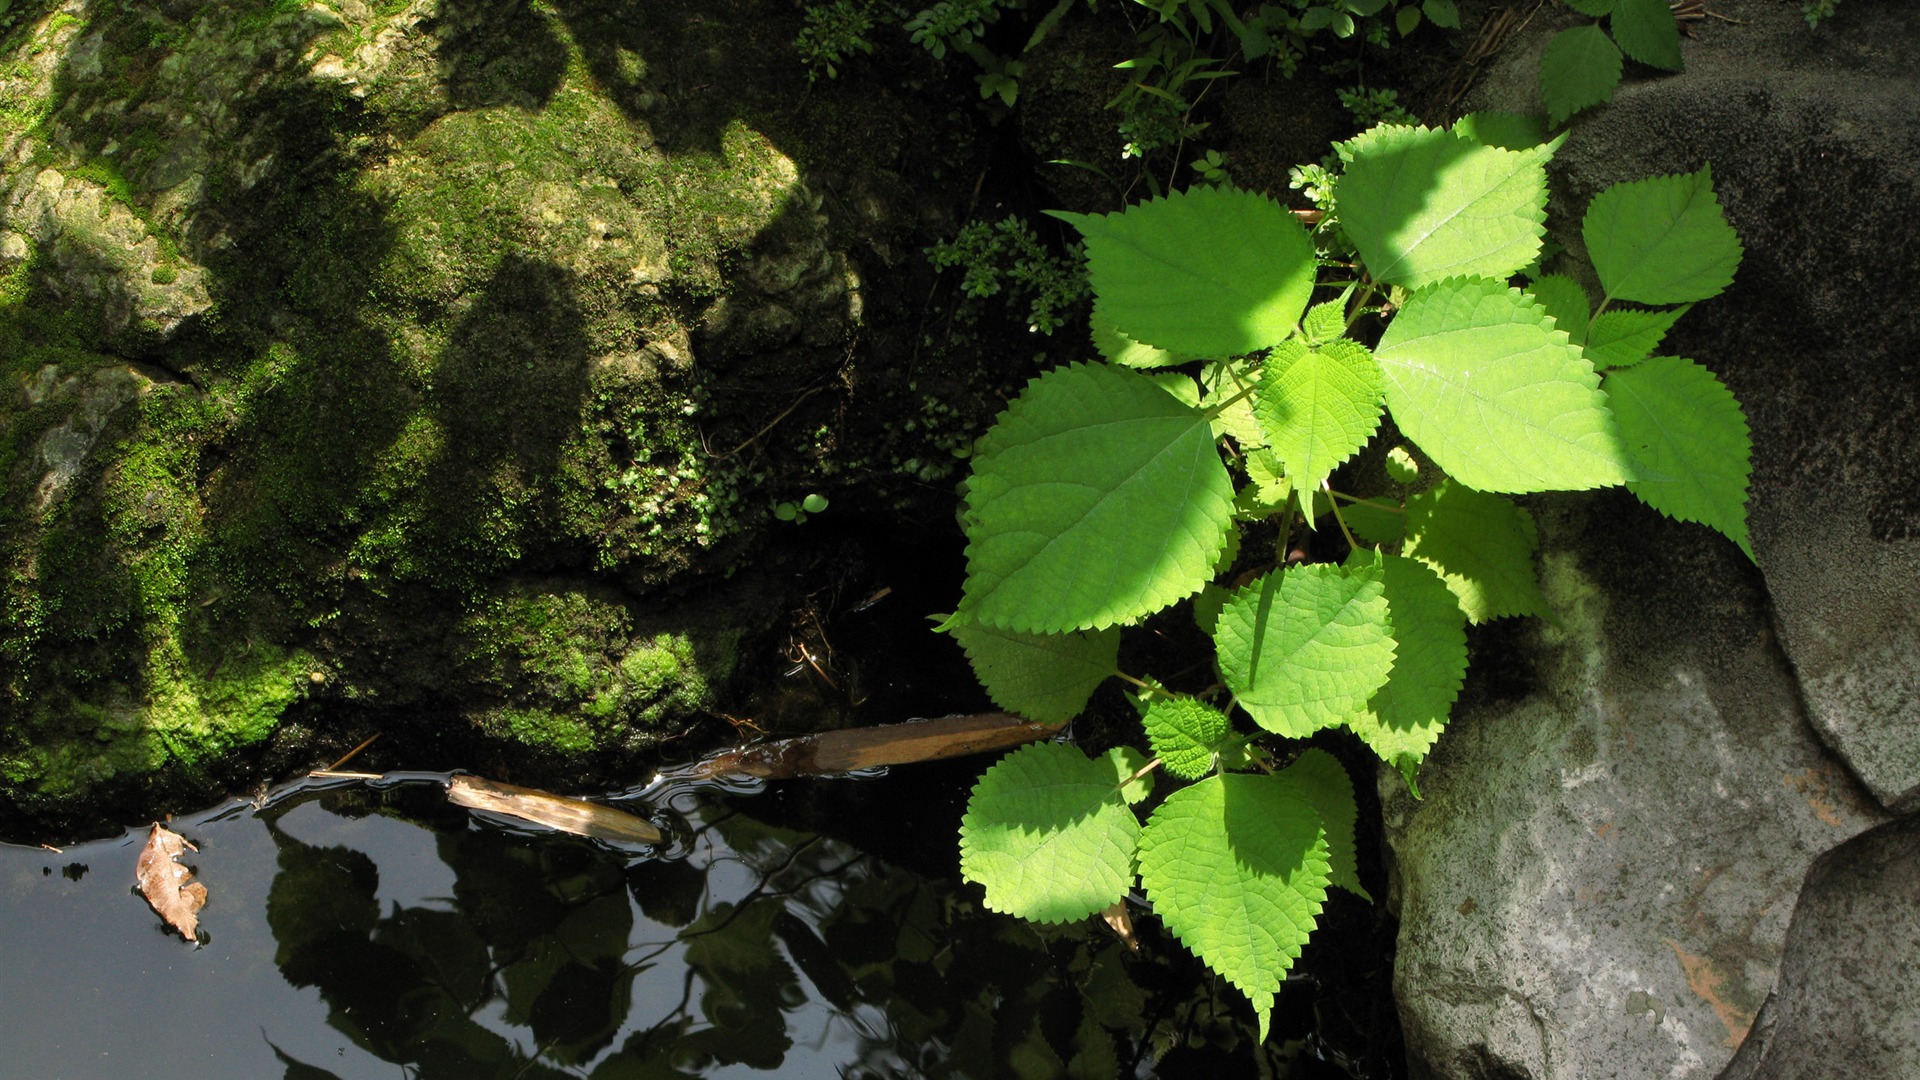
x: 433, y: 361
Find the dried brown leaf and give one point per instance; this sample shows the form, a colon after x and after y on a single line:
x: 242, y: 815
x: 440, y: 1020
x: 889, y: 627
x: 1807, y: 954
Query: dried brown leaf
x: 1120, y: 921
x: 569, y: 815
x: 888, y: 744
x: 168, y: 884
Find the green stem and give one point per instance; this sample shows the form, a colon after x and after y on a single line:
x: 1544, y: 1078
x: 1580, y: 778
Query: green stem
x: 1389, y: 507
x: 1359, y: 305
x: 1334, y: 505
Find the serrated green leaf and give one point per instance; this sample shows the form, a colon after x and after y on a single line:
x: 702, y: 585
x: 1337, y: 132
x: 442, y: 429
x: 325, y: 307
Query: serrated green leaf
x: 1648, y: 32
x: 1406, y: 715
x: 1580, y: 68
x: 1441, y: 13
x: 1236, y: 867
x: 1627, y: 336
x: 1317, y: 406
x: 1206, y: 607
x: 1126, y: 352
x: 1566, y: 301
x: 1477, y: 376
x: 1183, y: 387
x: 1424, y: 204
x: 1661, y: 240
x: 1211, y: 271
x: 1506, y: 130
x: 1406, y: 20
x: 1127, y: 763
x: 1227, y: 380
x: 1044, y: 677
x: 1305, y: 648
x: 1184, y: 734
x: 1690, y: 442
x: 1481, y: 545
x: 1324, y: 782
x: 1271, y: 486
x: 1048, y: 836
x: 1096, y: 498
x: 1324, y: 322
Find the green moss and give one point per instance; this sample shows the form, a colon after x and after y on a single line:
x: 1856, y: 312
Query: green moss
x: 574, y: 673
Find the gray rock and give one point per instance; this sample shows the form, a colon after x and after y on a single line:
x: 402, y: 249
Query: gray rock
x: 1848, y: 1005
x: 1599, y: 878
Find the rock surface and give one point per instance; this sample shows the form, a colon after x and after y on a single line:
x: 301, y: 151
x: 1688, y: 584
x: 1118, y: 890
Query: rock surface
x: 1845, y: 1005
x: 430, y: 359
x: 1618, y: 821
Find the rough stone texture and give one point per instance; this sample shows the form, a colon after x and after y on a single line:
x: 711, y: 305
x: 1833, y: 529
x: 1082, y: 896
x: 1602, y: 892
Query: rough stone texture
x: 1615, y: 823
x: 419, y: 359
x: 1846, y: 1006
x: 1618, y: 820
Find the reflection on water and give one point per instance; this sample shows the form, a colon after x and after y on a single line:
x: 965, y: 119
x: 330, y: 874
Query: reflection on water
x: 381, y: 932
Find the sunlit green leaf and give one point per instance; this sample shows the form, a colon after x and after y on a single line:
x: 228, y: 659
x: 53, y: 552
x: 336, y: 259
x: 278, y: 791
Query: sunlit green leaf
x: 1184, y: 734
x: 1626, y: 336
x: 1096, y: 498
x: 1126, y: 352
x: 1048, y: 835
x: 1324, y: 782
x: 1406, y: 715
x: 1207, y: 272
x: 1305, y: 648
x: 1482, y: 547
x: 1236, y: 866
x: 1662, y: 240
x: 1424, y: 204
x: 1479, y: 377
x: 1566, y: 301
x: 1317, y: 406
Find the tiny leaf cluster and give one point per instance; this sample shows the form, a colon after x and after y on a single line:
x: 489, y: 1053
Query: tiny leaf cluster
x: 1245, y: 363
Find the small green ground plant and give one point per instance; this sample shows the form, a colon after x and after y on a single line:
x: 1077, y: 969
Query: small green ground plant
x: 1246, y: 358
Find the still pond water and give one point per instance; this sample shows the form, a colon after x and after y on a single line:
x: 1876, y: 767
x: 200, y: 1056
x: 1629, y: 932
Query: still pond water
x: 360, y: 930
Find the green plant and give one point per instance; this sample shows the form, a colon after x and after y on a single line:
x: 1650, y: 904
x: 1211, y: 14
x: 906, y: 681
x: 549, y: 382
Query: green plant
x: 834, y: 31
x: 1108, y: 492
x: 797, y: 512
x: 1006, y: 256
x: 1817, y: 11
x: 1582, y: 65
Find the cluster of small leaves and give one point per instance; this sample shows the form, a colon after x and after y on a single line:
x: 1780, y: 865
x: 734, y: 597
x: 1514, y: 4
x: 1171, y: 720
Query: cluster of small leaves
x: 1582, y: 65
x: 834, y: 32
x: 1817, y: 11
x: 1006, y: 256
x: 1110, y: 491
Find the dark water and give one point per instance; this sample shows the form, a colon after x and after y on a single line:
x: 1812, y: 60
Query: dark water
x: 377, y: 931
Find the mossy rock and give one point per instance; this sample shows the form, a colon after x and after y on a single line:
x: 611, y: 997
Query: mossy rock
x: 419, y: 359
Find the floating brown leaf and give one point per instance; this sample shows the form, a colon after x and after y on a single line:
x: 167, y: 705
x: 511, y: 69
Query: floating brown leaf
x: 167, y: 884
x: 576, y: 816
x: 889, y: 744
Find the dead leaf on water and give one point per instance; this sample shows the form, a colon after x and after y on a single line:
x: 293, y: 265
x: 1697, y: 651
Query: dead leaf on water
x: 569, y: 815
x: 168, y: 884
